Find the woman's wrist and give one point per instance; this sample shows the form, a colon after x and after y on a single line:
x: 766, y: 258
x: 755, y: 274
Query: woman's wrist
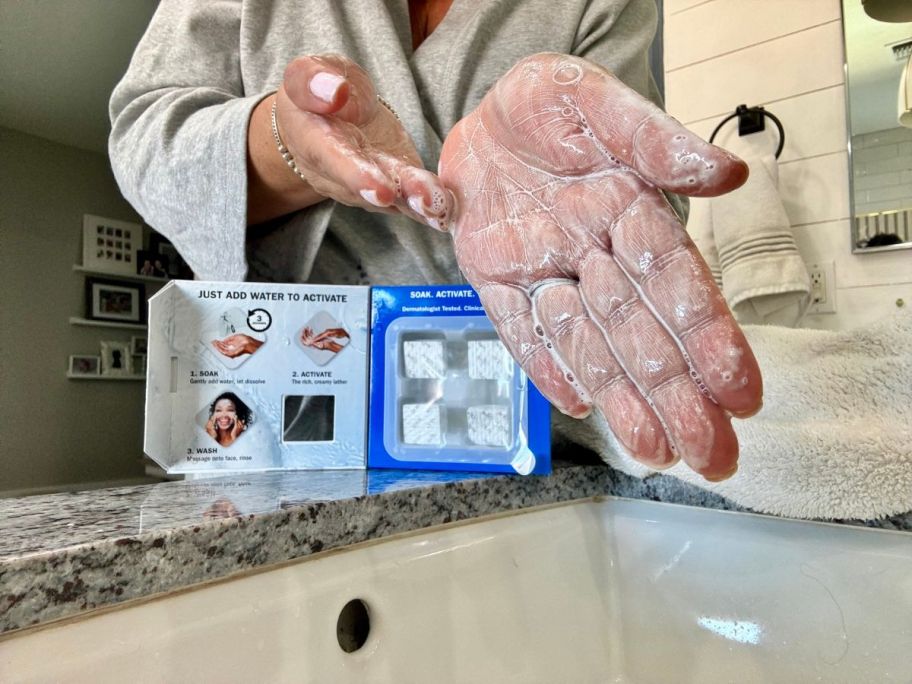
x: 273, y: 189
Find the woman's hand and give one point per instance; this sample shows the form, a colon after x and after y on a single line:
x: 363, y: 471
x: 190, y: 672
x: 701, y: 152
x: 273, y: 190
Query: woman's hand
x: 237, y: 429
x: 587, y: 273
x: 210, y: 428
x: 236, y: 345
x: 348, y: 146
x: 326, y: 340
x: 332, y: 333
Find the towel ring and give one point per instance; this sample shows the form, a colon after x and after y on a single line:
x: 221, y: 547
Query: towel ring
x: 751, y: 120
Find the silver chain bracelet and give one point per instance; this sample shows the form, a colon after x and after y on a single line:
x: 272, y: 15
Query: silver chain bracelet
x: 287, y: 155
x: 389, y: 107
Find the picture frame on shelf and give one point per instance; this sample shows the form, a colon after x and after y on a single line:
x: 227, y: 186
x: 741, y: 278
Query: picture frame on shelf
x: 82, y: 364
x: 152, y: 264
x: 174, y: 265
x: 110, y: 245
x: 115, y: 301
x: 139, y: 345
x: 138, y: 364
x: 116, y: 359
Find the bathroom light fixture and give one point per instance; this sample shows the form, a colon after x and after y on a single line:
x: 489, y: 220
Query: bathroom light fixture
x: 888, y: 10
x: 904, y: 100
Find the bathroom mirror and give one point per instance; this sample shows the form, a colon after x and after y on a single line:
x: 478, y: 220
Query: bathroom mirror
x: 880, y: 149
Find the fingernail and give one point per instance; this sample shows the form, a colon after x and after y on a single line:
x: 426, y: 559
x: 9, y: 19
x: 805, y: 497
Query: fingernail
x: 451, y: 209
x: 371, y: 196
x: 325, y: 85
x: 417, y: 205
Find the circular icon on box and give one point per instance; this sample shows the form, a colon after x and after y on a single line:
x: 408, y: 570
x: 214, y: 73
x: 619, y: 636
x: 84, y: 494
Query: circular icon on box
x: 259, y: 319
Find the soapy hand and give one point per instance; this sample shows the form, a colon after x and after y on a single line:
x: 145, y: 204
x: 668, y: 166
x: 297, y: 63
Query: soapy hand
x: 236, y: 345
x: 350, y: 147
x: 237, y: 429
x: 210, y: 428
x: 325, y: 340
x: 584, y: 268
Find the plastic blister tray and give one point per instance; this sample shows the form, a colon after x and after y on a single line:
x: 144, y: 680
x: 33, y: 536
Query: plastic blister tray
x: 452, y: 392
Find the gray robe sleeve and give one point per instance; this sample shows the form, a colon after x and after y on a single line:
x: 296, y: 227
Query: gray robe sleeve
x: 178, y: 144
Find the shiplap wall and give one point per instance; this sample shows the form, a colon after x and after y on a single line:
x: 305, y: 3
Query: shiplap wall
x: 786, y: 55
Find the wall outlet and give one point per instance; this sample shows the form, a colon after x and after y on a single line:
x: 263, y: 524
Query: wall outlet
x: 823, y: 287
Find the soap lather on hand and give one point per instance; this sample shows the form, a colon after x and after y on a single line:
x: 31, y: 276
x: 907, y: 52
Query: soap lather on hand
x: 584, y: 268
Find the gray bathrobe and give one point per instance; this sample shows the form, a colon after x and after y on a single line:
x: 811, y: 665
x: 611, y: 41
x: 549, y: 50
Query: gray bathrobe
x: 180, y: 116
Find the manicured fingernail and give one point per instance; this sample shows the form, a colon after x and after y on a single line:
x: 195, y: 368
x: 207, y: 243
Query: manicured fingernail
x: 451, y: 209
x: 417, y: 205
x: 371, y: 196
x: 325, y: 85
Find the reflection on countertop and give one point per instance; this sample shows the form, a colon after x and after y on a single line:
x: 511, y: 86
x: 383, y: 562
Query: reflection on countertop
x: 41, y: 524
x: 63, y: 554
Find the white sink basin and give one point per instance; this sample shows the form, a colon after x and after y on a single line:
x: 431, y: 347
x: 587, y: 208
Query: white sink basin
x: 605, y: 591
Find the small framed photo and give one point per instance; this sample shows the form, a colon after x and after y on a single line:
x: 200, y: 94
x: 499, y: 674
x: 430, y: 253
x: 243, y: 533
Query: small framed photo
x: 113, y: 300
x: 138, y: 344
x: 171, y: 259
x: 109, y: 245
x: 116, y: 358
x: 138, y: 362
x: 85, y: 365
x: 149, y: 263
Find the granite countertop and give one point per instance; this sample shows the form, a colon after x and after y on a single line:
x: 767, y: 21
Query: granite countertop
x: 63, y: 554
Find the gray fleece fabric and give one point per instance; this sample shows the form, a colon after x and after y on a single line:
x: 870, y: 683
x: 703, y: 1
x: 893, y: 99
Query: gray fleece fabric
x: 180, y: 116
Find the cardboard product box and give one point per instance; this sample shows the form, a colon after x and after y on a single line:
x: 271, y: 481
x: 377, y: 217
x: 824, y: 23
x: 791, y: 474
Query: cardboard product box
x: 257, y: 376
x: 445, y: 394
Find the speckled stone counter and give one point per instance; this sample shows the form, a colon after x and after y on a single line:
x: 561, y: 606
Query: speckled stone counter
x: 63, y: 554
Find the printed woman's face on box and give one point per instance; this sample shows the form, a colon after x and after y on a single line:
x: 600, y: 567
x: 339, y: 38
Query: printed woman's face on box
x: 225, y: 414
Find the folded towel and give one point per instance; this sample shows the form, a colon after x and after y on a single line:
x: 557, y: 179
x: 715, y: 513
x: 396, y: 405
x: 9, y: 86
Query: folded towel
x: 834, y: 438
x: 747, y: 240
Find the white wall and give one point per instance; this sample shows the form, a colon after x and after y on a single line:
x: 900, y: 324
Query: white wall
x: 882, y: 164
x: 54, y: 431
x: 786, y: 55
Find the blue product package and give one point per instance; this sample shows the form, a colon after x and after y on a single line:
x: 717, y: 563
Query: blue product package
x: 444, y: 392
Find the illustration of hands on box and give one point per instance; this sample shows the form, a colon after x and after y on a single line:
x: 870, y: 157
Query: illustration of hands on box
x: 445, y: 392
x: 253, y: 376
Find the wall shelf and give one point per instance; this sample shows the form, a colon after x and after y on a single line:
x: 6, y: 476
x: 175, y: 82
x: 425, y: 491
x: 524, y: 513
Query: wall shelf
x: 105, y: 377
x: 123, y: 276
x: 75, y: 320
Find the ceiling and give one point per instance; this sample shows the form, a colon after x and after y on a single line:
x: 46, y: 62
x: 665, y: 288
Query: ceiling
x: 59, y: 62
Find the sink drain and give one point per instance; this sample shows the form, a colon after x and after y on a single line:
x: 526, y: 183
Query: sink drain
x: 353, y: 626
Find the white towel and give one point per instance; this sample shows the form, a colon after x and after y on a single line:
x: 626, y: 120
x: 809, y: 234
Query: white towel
x: 834, y: 438
x: 747, y: 240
